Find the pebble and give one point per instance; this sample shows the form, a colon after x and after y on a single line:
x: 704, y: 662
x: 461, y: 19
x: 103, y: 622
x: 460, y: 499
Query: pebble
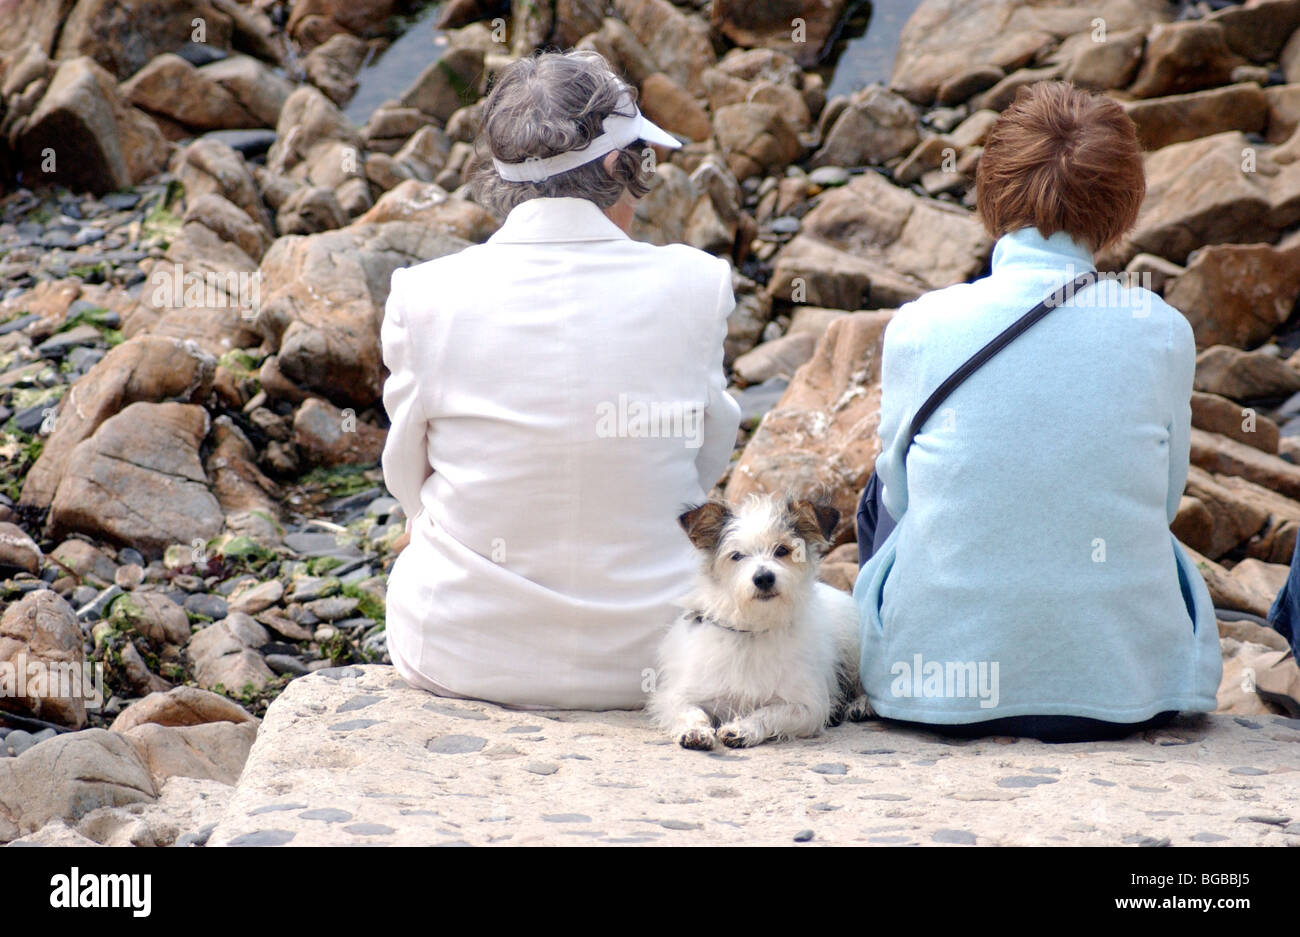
x: 326, y: 815
x: 358, y: 702
x: 353, y: 724
x: 263, y: 838
x: 956, y: 837
x: 286, y: 664
x: 831, y: 767
x: 95, y: 607
x: 208, y: 605
x: 1024, y: 780
x: 541, y: 767
x: 803, y: 836
x: 1247, y: 770
x: 333, y: 608
x: 129, y: 576
x: 455, y: 744
x: 325, y: 633
x: 310, y: 588
x: 828, y: 176
x: 369, y: 829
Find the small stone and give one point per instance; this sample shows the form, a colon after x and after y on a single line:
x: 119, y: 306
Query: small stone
x: 1267, y: 820
x: 803, y: 836
x: 369, y: 829
x: 358, y: 702
x: 1149, y: 841
x: 455, y: 744
x: 831, y: 767
x: 1247, y: 770
x: 565, y: 818
x: 1024, y: 780
x: 207, y: 605
x: 957, y: 837
x: 828, y: 176
x: 326, y: 815
x: 286, y: 664
x: 354, y: 724
x: 129, y: 576
x: 680, y: 825
x: 263, y: 838
x: 541, y: 767
x: 275, y: 808
x: 1208, y: 838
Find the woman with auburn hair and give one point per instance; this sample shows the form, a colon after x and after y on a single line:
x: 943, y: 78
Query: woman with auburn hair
x: 1031, y: 585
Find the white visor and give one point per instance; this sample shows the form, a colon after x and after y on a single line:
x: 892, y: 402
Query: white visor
x: 619, y: 131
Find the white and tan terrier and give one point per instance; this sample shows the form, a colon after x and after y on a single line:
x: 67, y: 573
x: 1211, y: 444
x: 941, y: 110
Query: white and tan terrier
x: 762, y: 650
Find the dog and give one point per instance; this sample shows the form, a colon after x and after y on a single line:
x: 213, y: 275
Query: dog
x: 762, y: 650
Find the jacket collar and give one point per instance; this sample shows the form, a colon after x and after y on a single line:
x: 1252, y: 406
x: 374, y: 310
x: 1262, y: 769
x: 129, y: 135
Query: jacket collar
x: 556, y: 219
x: 1028, y: 248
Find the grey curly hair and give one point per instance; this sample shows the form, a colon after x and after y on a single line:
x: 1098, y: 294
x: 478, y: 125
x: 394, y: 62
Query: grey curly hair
x: 551, y: 103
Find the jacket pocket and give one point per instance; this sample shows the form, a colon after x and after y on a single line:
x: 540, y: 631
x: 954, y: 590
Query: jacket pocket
x: 877, y: 572
x: 1189, y: 577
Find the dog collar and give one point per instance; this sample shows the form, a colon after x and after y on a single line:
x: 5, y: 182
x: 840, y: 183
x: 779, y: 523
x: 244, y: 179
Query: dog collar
x: 701, y: 619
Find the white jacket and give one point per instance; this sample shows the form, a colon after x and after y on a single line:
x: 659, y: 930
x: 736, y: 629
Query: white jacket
x: 556, y: 397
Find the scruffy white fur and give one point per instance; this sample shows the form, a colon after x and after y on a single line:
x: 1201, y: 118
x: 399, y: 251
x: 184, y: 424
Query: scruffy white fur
x: 744, y: 664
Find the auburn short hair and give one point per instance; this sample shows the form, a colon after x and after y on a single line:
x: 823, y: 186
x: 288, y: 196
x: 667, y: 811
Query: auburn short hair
x: 1061, y: 159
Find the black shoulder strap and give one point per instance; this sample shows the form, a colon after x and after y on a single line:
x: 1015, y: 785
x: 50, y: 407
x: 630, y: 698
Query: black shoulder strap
x: 1002, y: 340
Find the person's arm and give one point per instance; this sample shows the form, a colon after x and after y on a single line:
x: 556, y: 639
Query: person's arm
x: 405, y: 459
x: 722, y: 414
x: 897, y: 375
x: 1182, y: 356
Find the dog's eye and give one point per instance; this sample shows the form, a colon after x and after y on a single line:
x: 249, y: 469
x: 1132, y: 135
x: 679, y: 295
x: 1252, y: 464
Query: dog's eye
x: 737, y: 557
x: 781, y: 551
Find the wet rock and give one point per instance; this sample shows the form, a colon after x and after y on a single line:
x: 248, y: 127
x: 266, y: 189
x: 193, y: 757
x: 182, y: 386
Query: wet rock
x: 138, y: 480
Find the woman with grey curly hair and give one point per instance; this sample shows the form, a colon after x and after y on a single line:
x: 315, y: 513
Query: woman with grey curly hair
x: 556, y: 395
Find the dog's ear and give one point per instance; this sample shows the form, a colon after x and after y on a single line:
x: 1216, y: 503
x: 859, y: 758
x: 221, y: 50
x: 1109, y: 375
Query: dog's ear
x: 704, y: 524
x: 814, y: 521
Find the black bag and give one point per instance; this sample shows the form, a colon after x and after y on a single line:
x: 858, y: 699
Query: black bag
x: 873, y: 521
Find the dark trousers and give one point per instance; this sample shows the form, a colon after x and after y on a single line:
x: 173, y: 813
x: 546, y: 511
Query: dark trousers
x: 874, y: 526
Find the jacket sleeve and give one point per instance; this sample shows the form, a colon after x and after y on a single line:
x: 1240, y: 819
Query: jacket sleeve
x: 897, y: 406
x: 405, y: 458
x: 722, y: 413
x: 1182, y: 352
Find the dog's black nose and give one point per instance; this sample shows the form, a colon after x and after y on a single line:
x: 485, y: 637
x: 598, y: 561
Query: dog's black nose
x: 764, y: 579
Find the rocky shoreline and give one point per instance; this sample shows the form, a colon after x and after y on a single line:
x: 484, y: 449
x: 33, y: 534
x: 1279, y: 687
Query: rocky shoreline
x: 196, y: 250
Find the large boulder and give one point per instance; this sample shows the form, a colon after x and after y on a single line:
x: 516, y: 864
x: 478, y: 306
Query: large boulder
x: 181, y: 706
x: 1218, y: 189
x: 224, y: 655
x: 887, y: 240
x: 323, y: 302
x: 876, y: 126
x: 945, y: 39
x: 32, y: 21
x: 1237, y: 294
x: 311, y: 22
x: 213, y: 750
x: 1185, y: 56
x: 756, y: 138
x: 209, y: 166
x: 820, y: 440
x: 1245, y: 375
x: 138, y: 480
x: 1179, y: 117
x: 124, y: 37
x: 39, y: 635
x: 97, y: 141
x: 775, y: 24
x: 679, y: 43
x: 69, y: 776
x: 173, y: 88
x: 144, y: 368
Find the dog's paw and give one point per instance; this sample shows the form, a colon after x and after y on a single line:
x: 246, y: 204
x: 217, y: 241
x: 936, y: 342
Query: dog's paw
x: 699, y: 738
x: 859, y: 709
x: 735, y: 735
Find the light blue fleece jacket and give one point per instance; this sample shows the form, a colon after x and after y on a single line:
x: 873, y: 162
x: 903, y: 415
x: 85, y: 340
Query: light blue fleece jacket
x: 1032, y: 571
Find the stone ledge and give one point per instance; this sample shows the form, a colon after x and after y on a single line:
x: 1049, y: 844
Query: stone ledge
x: 353, y: 756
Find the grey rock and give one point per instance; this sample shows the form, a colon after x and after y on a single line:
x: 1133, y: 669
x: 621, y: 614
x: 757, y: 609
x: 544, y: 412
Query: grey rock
x: 456, y: 744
